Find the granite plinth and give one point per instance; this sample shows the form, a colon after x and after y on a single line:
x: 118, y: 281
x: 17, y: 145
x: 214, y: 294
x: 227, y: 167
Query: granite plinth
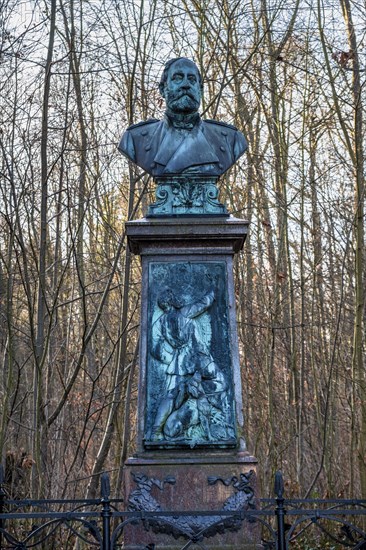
x: 206, y: 483
x: 187, y: 277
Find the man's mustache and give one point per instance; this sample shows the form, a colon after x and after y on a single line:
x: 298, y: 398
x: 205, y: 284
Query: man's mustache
x: 178, y: 95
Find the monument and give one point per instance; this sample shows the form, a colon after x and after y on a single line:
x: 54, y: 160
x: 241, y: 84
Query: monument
x: 191, y: 451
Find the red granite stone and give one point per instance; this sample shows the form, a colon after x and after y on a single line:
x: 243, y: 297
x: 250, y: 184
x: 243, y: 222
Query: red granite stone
x: 192, y: 492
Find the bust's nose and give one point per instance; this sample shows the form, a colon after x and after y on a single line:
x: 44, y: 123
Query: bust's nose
x: 185, y: 84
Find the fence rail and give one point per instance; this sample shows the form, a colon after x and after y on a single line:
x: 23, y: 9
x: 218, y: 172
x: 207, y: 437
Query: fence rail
x: 99, y: 523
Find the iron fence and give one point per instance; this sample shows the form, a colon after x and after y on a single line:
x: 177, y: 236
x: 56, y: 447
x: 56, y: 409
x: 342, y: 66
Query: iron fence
x: 100, y: 523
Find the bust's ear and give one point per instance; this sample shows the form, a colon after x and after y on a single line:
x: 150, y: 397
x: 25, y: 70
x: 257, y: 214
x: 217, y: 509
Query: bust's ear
x: 162, y: 90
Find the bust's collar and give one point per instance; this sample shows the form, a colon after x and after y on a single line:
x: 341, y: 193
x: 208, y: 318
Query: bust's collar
x: 187, y: 122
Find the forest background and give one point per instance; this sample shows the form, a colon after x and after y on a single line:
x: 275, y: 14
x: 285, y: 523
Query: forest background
x: 73, y: 75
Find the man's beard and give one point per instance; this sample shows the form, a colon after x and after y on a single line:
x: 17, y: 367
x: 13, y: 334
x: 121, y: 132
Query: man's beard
x: 182, y: 103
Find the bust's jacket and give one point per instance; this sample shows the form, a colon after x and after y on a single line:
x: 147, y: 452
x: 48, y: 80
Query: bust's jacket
x: 210, y: 148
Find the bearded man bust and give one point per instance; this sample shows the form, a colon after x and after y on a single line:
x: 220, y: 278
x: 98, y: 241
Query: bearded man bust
x: 182, y: 143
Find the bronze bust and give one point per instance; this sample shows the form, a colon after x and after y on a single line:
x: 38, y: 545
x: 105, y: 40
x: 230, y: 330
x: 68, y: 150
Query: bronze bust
x: 182, y: 143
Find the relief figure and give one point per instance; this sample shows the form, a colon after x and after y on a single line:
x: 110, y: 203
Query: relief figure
x: 193, y: 406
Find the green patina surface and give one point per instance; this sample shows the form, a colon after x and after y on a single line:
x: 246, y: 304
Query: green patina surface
x: 186, y: 195
x: 189, y: 380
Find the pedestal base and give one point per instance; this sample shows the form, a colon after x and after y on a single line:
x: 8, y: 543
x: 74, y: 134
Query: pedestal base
x: 190, y: 418
x: 207, y: 483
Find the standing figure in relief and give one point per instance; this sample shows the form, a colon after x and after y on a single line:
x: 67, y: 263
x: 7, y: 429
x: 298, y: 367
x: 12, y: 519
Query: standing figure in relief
x: 195, y: 386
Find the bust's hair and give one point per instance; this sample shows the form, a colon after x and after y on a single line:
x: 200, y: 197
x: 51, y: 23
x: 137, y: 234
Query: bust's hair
x: 167, y: 66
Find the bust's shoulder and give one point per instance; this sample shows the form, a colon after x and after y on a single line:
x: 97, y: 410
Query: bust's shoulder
x: 220, y: 124
x: 143, y: 123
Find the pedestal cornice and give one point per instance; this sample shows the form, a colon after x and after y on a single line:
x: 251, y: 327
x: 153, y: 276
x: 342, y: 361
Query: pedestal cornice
x: 218, y: 232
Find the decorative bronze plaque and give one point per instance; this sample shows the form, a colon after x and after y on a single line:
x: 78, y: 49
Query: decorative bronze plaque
x: 189, y: 388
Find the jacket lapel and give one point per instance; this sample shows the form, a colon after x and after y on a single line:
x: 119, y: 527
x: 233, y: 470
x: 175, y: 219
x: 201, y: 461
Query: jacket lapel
x: 193, y: 150
x: 170, y: 143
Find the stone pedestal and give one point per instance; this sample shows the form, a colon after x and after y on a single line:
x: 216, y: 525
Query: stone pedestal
x: 190, y: 452
x: 203, y: 482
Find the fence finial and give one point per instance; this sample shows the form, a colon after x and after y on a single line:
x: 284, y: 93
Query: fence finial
x: 278, y: 485
x: 105, y: 486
